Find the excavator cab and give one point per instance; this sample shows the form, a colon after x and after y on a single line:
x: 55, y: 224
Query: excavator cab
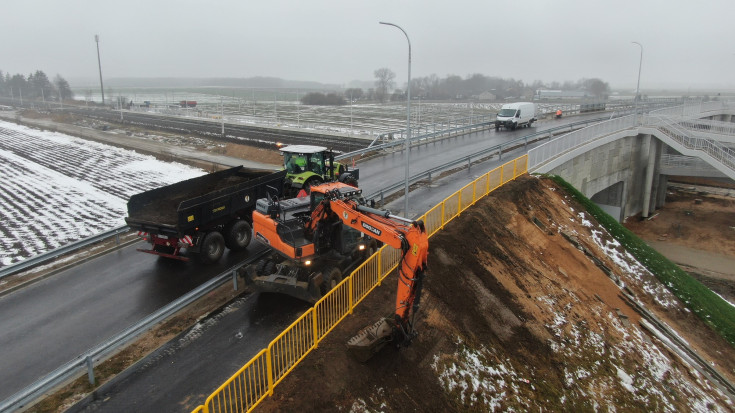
x: 311, y: 250
x: 310, y: 239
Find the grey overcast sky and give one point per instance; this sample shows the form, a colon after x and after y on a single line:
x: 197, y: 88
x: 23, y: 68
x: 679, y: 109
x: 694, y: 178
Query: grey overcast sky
x: 687, y: 44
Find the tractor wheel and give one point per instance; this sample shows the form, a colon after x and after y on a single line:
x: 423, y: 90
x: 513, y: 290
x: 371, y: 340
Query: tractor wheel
x: 238, y: 235
x: 212, y: 248
x: 332, y: 277
x: 313, y: 181
x: 348, y: 179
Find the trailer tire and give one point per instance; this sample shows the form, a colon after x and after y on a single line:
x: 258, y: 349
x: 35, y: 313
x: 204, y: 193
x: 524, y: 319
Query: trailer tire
x: 213, y: 246
x: 332, y: 277
x: 238, y: 235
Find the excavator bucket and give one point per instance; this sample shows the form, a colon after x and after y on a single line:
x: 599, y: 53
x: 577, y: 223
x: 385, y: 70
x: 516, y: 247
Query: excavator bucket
x: 371, y: 339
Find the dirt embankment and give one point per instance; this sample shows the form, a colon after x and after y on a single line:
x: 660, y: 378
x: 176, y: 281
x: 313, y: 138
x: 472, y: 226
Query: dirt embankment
x: 516, y: 317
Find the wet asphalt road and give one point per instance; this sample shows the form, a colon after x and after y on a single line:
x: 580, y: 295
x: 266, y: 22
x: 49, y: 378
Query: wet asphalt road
x: 59, y: 318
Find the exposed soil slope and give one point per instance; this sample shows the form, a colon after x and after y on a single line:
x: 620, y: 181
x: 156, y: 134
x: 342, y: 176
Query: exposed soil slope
x: 516, y: 317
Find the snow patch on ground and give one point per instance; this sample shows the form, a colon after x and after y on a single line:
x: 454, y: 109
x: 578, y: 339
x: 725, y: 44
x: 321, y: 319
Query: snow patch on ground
x: 480, y: 380
x: 621, y: 257
x: 58, y: 189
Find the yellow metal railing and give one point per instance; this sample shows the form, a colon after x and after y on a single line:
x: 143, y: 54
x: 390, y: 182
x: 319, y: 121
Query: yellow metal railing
x: 255, y: 380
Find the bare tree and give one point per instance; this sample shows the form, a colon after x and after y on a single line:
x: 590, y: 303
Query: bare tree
x: 596, y: 87
x: 354, y: 93
x: 384, y: 82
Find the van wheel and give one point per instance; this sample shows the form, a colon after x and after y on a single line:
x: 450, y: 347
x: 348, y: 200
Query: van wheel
x: 513, y: 127
x: 238, y: 235
x: 213, y: 246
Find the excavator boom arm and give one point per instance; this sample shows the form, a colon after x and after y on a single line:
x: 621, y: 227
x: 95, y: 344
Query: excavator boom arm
x: 411, y: 238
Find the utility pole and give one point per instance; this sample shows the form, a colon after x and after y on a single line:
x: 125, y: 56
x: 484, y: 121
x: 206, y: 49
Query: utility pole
x: 638, y: 85
x: 408, y: 114
x: 99, y: 63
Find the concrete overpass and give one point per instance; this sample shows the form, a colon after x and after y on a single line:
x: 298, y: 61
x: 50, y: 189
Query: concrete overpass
x: 623, y: 164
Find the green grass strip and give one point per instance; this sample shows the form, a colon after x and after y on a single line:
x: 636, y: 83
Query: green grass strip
x: 710, y: 307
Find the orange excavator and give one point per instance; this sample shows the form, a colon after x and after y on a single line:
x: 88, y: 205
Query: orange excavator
x: 311, y: 234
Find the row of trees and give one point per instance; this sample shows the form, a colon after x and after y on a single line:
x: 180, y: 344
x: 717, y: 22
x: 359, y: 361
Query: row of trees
x: 316, y: 98
x: 456, y: 87
x: 36, y: 86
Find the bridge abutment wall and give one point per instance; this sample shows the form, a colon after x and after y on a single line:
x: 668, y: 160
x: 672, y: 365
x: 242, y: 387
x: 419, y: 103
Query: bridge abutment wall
x: 621, y: 159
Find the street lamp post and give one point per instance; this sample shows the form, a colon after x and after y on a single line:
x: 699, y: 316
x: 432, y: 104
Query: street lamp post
x: 408, y: 113
x: 638, y: 86
x: 99, y: 63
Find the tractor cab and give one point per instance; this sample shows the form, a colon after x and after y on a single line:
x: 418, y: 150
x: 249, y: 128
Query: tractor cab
x: 308, y: 165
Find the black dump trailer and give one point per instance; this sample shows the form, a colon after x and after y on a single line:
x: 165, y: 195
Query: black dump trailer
x: 201, y: 216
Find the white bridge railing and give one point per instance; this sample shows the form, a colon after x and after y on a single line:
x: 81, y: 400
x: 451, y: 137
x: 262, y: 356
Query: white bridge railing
x: 559, y: 146
x: 673, y: 129
x: 674, y: 122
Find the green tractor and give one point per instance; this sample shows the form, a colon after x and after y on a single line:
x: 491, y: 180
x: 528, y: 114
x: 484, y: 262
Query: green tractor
x: 308, y: 165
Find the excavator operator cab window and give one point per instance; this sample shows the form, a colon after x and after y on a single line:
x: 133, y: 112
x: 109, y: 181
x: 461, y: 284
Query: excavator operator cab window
x: 316, y: 198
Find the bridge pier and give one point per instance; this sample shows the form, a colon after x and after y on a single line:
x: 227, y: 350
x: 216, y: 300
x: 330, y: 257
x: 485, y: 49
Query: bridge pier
x: 663, y: 183
x: 648, y: 186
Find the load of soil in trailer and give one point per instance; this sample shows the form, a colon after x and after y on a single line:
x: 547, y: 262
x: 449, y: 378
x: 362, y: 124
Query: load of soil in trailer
x: 161, y: 205
x: 521, y: 311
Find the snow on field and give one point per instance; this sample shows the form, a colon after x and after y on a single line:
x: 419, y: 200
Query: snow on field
x: 57, y: 188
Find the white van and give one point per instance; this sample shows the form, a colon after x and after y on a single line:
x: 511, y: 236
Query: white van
x: 515, y: 115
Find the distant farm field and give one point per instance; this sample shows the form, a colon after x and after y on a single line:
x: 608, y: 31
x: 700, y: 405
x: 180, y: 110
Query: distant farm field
x: 57, y: 189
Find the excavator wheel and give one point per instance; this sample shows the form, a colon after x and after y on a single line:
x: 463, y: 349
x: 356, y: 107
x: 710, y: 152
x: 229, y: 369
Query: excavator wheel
x: 259, y: 266
x: 265, y: 267
x: 371, y: 249
x: 332, y: 277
